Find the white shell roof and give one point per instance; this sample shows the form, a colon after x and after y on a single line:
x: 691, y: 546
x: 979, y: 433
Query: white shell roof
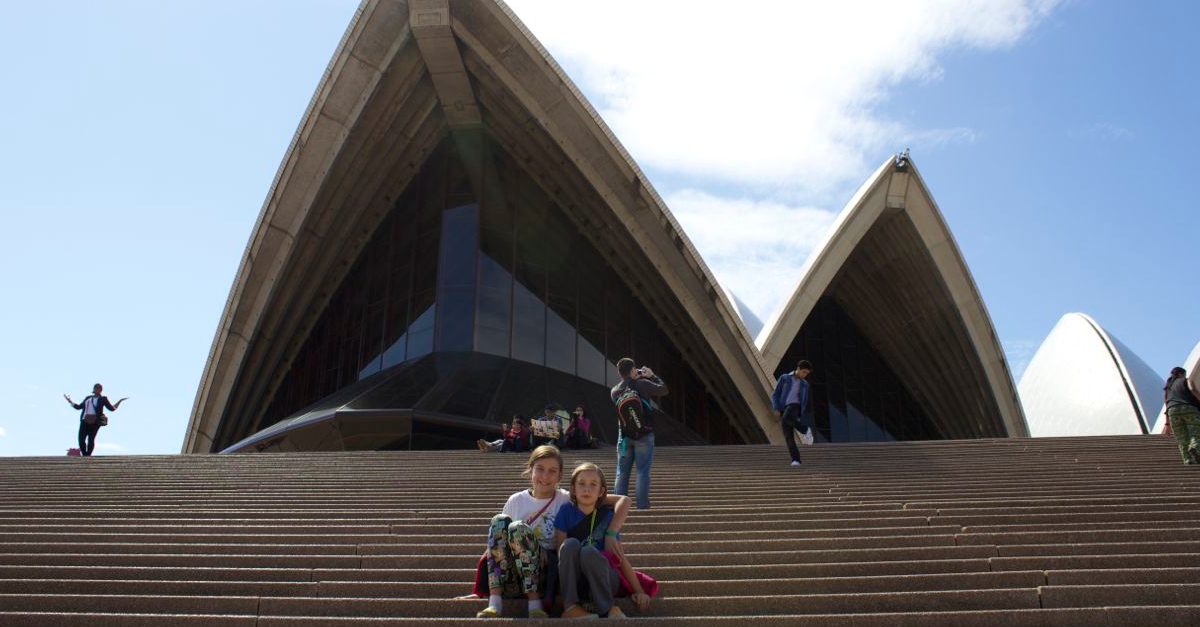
x: 752, y: 322
x: 1083, y: 381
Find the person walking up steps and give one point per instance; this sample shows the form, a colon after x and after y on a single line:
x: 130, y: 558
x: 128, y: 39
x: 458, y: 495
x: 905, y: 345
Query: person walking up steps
x: 91, y: 417
x: 793, y: 400
x: 1183, y: 414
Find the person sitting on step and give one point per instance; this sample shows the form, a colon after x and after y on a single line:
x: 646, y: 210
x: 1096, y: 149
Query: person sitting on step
x: 515, y: 440
x: 579, y: 431
x: 549, y: 427
x: 591, y: 561
x: 519, y: 560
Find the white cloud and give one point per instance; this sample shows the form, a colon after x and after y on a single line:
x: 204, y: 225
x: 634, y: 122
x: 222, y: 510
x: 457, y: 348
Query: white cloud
x: 775, y: 94
x: 777, y: 101
x: 1103, y: 131
x: 3, y: 432
x: 111, y: 447
x: 756, y: 248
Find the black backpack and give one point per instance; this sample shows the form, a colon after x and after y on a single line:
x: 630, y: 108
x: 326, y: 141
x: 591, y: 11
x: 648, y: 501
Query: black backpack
x: 633, y: 412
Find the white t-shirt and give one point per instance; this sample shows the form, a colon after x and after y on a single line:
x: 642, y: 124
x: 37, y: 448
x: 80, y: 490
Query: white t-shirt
x: 89, y: 406
x: 522, y: 506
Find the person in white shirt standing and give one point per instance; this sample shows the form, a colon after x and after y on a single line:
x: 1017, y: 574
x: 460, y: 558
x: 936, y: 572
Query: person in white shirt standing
x: 91, y: 417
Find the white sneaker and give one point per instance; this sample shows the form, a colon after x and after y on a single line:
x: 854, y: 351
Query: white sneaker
x: 806, y: 438
x: 795, y: 463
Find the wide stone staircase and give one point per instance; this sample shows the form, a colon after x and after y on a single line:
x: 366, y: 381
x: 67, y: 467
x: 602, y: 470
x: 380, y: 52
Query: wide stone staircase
x: 1066, y: 531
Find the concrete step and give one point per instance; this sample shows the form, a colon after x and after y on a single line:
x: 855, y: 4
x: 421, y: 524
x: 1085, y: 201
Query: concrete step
x: 1184, y: 616
x: 1071, y: 531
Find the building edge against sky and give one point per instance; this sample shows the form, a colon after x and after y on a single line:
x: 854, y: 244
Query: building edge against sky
x: 891, y: 281
x: 394, y: 90
x: 1083, y: 381
x: 465, y: 83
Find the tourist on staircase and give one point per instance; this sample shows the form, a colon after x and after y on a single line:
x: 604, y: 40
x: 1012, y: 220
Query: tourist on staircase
x: 550, y: 427
x: 1183, y: 414
x: 634, y: 397
x: 792, y: 399
x: 579, y: 431
x: 91, y: 417
x: 520, y: 561
x: 581, y: 529
x: 515, y: 439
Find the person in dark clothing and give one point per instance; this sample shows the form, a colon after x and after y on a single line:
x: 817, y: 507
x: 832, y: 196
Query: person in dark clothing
x: 91, y: 417
x: 641, y: 450
x: 1183, y: 414
x: 579, y: 431
x: 793, y: 400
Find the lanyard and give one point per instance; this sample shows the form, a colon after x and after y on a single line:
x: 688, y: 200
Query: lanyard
x: 591, y: 527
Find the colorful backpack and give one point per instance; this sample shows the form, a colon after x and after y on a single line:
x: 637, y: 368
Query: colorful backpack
x: 633, y: 413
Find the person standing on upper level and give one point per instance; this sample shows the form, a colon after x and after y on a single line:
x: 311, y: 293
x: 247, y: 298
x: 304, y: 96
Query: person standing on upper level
x: 792, y: 399
x: 91, y: 417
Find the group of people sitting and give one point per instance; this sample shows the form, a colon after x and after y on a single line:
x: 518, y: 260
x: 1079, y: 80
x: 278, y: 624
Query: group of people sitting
x: 559, y: 548
x: 555, y: 426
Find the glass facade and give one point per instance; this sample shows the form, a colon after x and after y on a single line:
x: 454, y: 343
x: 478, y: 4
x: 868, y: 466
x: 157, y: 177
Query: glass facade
x: 479, y: 297
x: 856, y: 396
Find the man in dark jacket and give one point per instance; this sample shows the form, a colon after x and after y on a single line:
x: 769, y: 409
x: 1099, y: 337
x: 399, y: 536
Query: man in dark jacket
x: 793, y: 400
x: 649, y: 387
x: 91, y: 417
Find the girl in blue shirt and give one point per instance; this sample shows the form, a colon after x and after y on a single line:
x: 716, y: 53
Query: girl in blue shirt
x: 582, y: 529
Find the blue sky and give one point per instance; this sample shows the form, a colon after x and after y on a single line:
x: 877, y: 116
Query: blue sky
x: 140, y: 139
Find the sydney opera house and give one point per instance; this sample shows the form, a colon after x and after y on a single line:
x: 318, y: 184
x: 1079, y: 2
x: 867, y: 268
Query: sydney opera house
x: 454, y: 237
x: 1084, y: 381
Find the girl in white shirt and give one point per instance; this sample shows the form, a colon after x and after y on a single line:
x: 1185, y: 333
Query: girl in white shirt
x: 521, y: 536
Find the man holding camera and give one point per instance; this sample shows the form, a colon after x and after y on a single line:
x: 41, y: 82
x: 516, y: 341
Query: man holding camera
x: 637, y: 447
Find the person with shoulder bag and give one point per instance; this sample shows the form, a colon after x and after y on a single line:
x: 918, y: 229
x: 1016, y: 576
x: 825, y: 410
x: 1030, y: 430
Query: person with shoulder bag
x: 1183, y: 414
x: 91, y: 417
x: 633, y: 397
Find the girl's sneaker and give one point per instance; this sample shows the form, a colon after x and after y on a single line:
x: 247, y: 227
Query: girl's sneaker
x: 615, y: 612
x: 538, y: 613
x: 488, y: 612
x: 577, y: 611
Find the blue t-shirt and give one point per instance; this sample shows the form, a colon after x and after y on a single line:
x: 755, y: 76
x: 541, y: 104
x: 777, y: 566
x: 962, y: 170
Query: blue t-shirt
x: 587, y: 528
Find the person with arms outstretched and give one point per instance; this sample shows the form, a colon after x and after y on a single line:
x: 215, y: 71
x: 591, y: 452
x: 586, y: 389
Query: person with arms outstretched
x: 91, y: 417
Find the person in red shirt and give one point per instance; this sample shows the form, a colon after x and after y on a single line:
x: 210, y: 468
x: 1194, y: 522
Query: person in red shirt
x: 514, y: 439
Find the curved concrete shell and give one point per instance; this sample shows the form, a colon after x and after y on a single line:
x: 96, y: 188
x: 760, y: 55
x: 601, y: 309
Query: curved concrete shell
x: 1083, y: 381
x: 892, y: 278
x: 1192, y: 365
x: 751, y: 320
x: 406, y: 76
